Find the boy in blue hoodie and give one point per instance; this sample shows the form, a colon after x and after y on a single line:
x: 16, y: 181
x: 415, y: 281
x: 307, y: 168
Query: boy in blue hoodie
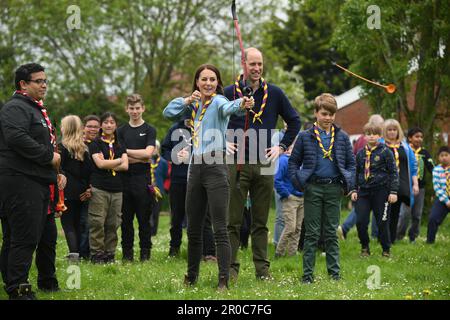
x: 292, y: 208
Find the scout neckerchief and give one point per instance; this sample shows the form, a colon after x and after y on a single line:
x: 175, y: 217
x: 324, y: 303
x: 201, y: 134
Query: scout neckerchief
x: 257, y: 116
x: 51, y: 130
x: 195, y: 128
x: 153, y: 188
x: 41, y: 107
x: 367, y: 163
x: 326, y: 154
x: 419, y: 161
x: 395, y: 146
x: 111, y: 149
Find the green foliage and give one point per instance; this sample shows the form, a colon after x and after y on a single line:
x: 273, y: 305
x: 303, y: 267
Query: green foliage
x: 411, y: 47
x: 151, y: 47
x: 303, y: 41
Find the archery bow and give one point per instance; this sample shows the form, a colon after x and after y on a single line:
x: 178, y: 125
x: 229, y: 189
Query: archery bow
x: 246, y: 90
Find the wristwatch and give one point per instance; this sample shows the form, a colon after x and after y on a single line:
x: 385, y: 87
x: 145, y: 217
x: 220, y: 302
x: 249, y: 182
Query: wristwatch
x: 283, y: 146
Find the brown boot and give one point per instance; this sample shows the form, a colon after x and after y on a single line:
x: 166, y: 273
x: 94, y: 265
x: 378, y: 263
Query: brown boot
x: 223, y: 284
x: 189, y: 281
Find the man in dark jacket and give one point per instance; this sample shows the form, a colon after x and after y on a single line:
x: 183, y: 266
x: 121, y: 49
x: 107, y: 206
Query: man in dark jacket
x: 321, y: 165
x: 250, y: 176
x: 27, y: 169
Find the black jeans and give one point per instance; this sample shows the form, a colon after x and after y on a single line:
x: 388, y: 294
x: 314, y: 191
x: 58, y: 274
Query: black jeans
x: 136, y: 200
x: 208, y: 189
x: 177, y: 196
x: 375, y: 200
x: 70, y: 221
x: 24, y: 207
x: 209, y: 249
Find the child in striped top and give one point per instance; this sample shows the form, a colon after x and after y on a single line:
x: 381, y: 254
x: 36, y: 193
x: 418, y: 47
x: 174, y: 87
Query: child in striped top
x: 441, y: 185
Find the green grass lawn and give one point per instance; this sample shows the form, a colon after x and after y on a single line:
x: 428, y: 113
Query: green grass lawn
x: 415, y: 271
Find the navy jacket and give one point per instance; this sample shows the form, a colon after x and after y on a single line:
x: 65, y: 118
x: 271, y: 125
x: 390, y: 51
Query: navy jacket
x: 305, y: 154
x: 179, y: 171
x: 383, y: 171
x: 277, y: 104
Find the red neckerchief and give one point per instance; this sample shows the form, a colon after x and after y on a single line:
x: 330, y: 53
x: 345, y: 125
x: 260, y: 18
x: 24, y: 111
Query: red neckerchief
x: 41, y: 107
x: 51, y: 204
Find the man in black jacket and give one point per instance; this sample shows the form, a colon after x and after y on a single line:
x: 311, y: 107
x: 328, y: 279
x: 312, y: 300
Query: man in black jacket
x: 27, y: 169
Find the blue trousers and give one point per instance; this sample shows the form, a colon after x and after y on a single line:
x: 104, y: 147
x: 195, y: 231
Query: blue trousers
x: 438, y: 213
x: 350, y: 222
x: 279, y: 220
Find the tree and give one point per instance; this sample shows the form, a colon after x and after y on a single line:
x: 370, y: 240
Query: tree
x: 411, y: 47
x: 303, y: 41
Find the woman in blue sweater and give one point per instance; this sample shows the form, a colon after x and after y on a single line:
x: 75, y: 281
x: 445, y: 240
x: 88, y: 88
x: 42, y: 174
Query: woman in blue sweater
x: 208, y: 186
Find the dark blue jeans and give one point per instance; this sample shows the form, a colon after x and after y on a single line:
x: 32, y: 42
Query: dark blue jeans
x: 84, y: 231
x: 350, y: 222
x: 438, y: 213
x: 177, y: 196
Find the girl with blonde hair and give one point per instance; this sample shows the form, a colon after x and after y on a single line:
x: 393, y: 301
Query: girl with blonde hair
x: 406, y: 164
x: 76, y: 166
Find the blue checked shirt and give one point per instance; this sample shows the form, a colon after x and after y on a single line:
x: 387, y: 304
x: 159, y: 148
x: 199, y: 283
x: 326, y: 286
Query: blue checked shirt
x: 440, y: 183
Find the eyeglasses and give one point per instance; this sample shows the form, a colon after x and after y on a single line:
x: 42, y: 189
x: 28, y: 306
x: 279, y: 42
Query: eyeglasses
x: 39, y: 81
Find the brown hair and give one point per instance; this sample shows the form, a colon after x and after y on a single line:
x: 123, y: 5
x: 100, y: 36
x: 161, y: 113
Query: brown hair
x: 325, y: 101
x: 134, y: 99
x: 372, y: 128
x: 91, y: 117
x: 219, y: 88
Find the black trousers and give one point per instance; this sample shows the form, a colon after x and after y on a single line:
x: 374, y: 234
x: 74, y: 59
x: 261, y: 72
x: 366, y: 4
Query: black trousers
x: 46, y: 255
x: 209, y: 248
x: 136, y: 201
x: 84, y: 231
x: 394, y: 216
x: 70, y: 221
x: 375, y: 200
x: 208, y: 189
x: 26, y: 227
x: 154, y: 217
x: 177, y: 196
